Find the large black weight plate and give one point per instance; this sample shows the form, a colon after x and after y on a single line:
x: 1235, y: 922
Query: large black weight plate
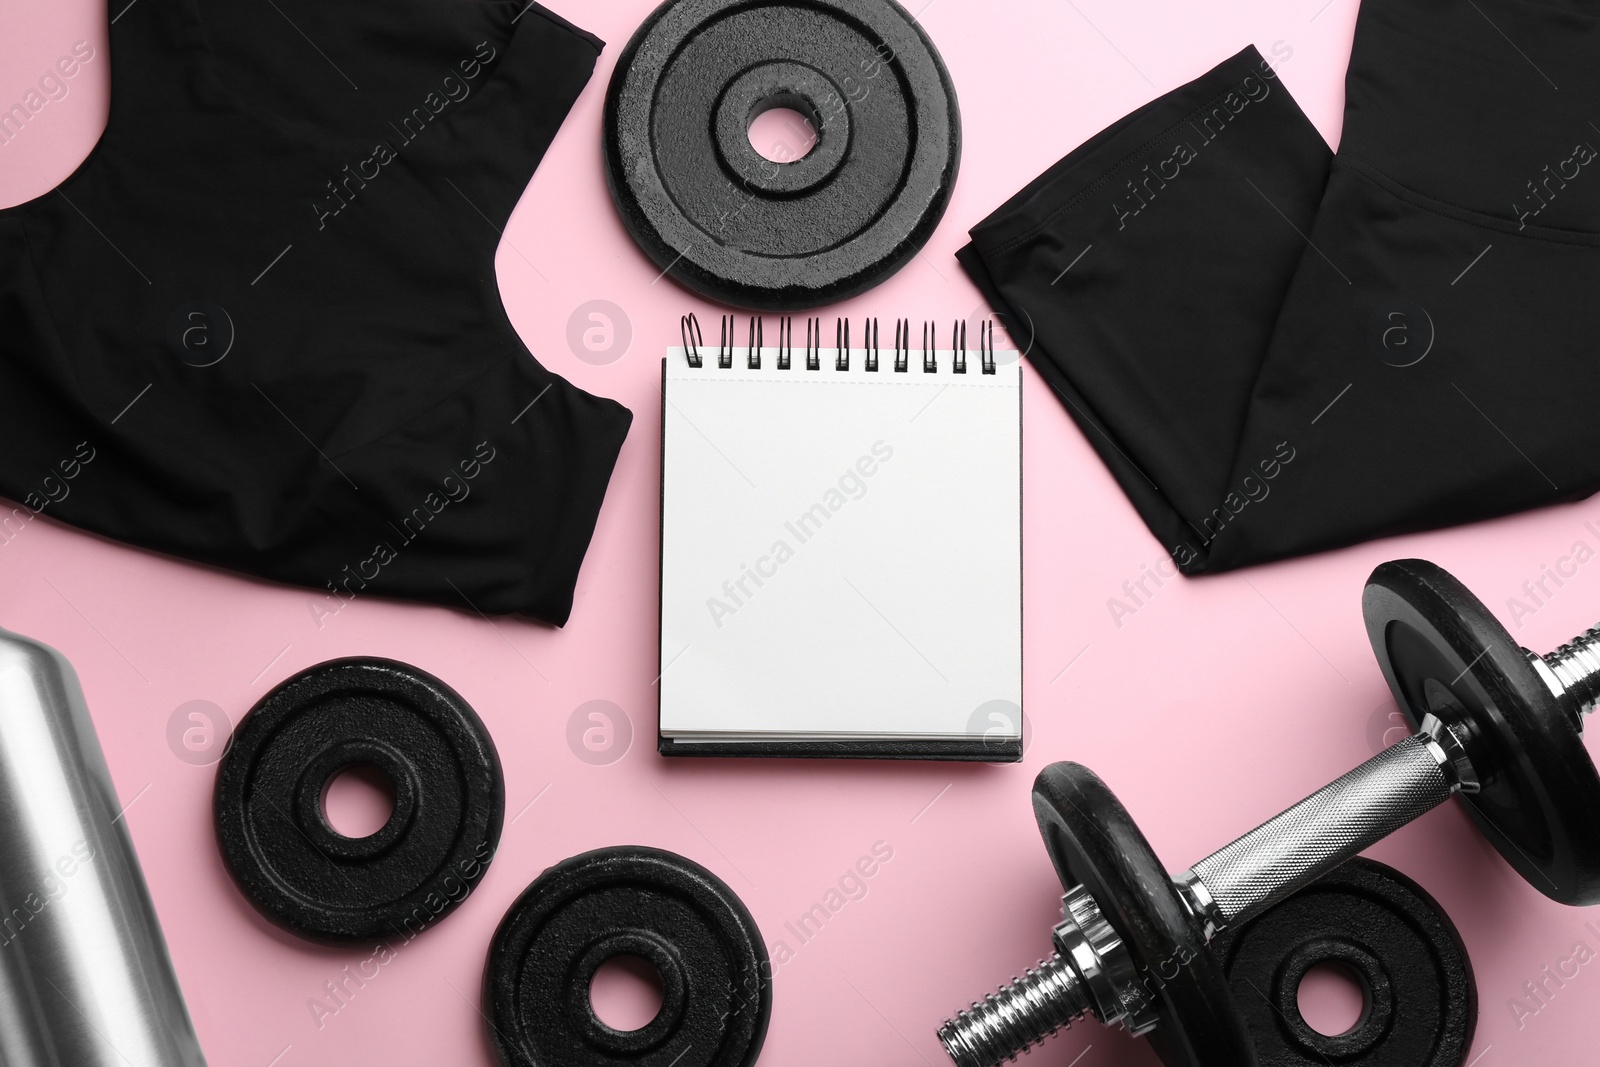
x: 1441, y: 651
x: 1422, y: 1002
x: 1094, y: 842
x: 628, y: 901
x: 738, y: 228
x: 449, y: 801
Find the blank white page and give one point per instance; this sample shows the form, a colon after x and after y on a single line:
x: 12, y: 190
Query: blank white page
x: 841, y: 551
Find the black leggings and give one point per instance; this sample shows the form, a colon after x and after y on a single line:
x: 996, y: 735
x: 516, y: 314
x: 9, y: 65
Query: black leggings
x: 1277, y: 349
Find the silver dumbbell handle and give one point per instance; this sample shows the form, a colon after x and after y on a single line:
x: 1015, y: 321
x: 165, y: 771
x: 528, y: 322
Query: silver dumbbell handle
x: 1293, y: 849
x: 1282, y: 855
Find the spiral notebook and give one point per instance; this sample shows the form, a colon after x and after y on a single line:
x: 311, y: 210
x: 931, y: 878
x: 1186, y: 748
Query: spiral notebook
x: 841, y: 545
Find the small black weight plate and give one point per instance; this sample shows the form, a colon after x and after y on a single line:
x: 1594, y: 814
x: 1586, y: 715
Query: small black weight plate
x: 449, y: 801
x: 1442, y: 651
x: 1422, y: 1002
x: 736, y: 227
x: 1094, y: 842
x: 628, y: 901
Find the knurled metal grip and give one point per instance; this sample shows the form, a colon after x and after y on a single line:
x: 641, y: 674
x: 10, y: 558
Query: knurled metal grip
x: 1344, y: 817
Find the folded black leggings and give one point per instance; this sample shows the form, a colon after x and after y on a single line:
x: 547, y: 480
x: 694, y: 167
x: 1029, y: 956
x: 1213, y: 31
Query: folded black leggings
x: 1278, y: 350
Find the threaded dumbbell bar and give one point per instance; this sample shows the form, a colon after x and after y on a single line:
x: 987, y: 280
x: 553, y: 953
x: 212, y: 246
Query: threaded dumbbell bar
x: 1495, y: 722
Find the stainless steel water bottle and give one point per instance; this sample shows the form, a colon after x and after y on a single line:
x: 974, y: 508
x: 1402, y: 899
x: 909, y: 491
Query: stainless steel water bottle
x: 85, y: 980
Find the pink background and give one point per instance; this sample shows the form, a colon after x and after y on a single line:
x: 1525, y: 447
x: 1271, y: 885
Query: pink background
x: 1217, y: 703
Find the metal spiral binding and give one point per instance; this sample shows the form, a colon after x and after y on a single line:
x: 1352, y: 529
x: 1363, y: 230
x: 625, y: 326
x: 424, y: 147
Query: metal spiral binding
x: 725, y: 344
x: 689, y: 330
x: 785, y: 341
x: 694, y: 342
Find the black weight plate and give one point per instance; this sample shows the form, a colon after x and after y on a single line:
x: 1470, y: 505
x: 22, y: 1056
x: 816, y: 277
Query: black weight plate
x: 628, y: 901
x: 1094, y: 842
x: 1422, y: 1002
x: 736, y: 227
x: 449, y: 801
x: 1442, y: 651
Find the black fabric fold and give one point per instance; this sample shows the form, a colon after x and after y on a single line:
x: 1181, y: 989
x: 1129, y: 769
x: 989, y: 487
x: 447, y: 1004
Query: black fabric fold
x: 260, y: 326
x: 1277, y: 350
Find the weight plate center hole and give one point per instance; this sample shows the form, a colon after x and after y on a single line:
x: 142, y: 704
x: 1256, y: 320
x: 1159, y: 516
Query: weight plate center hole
x: 1333, y: 999
x: 358, y: 800
x: 626, y: 993
x: 783, y: 128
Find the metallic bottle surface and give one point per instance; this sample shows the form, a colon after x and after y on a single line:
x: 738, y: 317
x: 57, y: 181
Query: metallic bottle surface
x: 85, y: 980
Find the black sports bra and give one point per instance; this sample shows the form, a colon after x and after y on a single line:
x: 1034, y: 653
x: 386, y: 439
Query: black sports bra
x: 259, y: 326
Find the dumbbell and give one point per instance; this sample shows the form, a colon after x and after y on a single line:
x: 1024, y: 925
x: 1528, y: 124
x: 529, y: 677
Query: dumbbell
x: 1496, y: 724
